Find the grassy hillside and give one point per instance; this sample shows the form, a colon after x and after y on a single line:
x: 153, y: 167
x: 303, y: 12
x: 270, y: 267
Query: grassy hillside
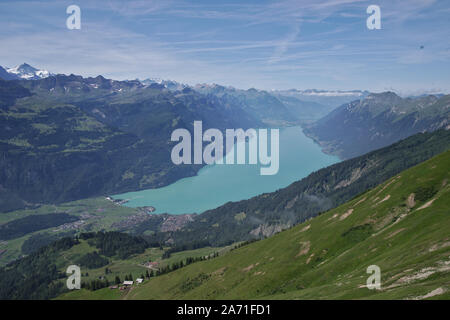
x: 104, y: 259
x: 401, y: 225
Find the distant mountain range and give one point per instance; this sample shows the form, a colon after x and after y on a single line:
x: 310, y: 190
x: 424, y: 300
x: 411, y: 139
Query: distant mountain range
x: 23, y: 71
x: 327, y: 98
x: 261, y: 104
x: 273, y: 108
x: 168, y: 84
x: 378, y: 120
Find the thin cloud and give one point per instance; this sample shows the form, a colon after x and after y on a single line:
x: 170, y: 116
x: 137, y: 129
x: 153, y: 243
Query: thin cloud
x: 274, y: 44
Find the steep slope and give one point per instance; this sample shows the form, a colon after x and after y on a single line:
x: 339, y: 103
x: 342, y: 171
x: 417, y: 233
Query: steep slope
x: 66, y: 137
x: 377, y: 121
x: 259, y: 103
x: 10, y: 91
x: 5, y: 75
x: 327, y: 188
x: 401, y: 226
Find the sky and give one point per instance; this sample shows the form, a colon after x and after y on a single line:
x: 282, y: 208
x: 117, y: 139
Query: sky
x: 268, y: 45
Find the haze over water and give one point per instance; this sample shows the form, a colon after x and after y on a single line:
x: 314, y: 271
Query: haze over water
x: 217, y: 184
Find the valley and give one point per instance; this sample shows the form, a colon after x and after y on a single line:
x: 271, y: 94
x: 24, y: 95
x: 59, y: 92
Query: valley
x: 216, y: 184
x: 211, y: 159
x: 326, y: 257
x: 86, y: 178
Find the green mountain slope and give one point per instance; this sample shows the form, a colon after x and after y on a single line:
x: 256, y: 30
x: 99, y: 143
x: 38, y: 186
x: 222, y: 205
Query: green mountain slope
x: 263, y: 215
x: 102, y: 257
x: 378, y: 120
x: 402, y: 226
x: 65, y: 138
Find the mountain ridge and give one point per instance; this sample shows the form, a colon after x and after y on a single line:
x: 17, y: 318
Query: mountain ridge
x: 378, y: 120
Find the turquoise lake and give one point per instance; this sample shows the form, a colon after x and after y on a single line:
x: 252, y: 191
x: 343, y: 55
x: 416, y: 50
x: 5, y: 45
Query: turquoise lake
x: 217, y: 184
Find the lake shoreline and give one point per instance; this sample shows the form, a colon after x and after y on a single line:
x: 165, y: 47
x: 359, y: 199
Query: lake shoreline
x: 216, y: 184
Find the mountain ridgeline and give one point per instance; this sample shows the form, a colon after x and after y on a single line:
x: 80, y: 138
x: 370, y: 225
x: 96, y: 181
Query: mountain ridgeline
x: 378, y: 120
x: 23, y: 71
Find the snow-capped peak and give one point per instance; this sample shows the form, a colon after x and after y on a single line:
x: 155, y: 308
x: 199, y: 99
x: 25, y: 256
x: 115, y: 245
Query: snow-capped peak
x: 168, y: 84
x: 27, y: 72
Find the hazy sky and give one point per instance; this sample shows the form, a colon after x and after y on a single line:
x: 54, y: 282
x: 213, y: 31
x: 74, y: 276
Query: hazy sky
x: 264, y: 44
